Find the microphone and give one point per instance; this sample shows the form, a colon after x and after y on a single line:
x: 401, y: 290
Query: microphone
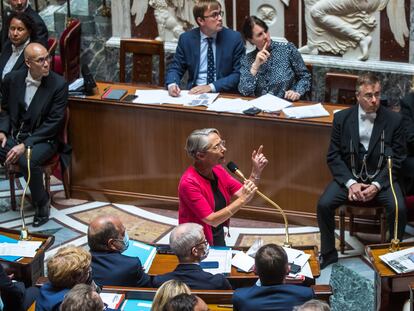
x: 24, y: 233
x: 88, y: 81
x: 234, y: 169
x: 395, y: 242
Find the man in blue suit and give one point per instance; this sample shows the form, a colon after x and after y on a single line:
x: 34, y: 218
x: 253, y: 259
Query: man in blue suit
x: 210, y: 53
x: 188, y: 242
x: 272, y: 267
x: 107, y: 239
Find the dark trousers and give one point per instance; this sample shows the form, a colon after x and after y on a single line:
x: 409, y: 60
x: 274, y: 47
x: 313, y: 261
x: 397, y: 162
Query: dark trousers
x: 407, y: 172
x: 335, y: 195
x: 40, y: 154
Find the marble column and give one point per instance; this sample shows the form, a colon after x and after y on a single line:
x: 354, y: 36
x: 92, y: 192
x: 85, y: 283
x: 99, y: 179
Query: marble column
x: 121, y: 22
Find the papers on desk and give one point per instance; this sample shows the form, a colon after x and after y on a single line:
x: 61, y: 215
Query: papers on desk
x: 113, y: 300
x: 243, y: 262
x: 222, y: 255
x: 146, y: 253
x: 75, y: 85
x: 162, y: 97
x: 309, y: 111
x: 270, y: 103
x: 401, y: 261
x: 20, y: 249
x: 237, y: 105
x: 300, y: 258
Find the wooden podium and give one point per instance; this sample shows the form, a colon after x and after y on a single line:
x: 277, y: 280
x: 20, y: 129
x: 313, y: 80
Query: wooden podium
x: 388, y: 282
x: 26, y: 269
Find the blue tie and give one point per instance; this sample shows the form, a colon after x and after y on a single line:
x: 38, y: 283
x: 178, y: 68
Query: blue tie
x: 210, y: 61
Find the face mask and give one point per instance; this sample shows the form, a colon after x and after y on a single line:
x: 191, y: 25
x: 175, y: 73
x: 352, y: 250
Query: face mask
x: 206, y: 251
x: 125, y: 241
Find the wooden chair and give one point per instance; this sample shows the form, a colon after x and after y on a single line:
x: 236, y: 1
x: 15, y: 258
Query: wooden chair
x: 51, y: 47
x: 68, y: 62
x: 48, y: 168
x: 142, y: 51
x: 365, y: 210
x: 342, y: 84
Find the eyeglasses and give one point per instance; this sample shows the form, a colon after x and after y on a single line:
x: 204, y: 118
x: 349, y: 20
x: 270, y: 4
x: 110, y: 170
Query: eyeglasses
x: 42, y: 60
x: 370, y: 96
x: 205, y: 242
x: 220, y: 146
x: 215, y: 15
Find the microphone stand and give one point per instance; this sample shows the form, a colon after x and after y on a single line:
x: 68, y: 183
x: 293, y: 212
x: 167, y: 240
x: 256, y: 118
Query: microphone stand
x: 24, y: 233
x: 287, y: 242
x: 395, y: 242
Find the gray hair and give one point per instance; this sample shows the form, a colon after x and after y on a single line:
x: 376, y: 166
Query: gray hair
x: 198, y: 141
x: 82, y: 297
x: 184, y: 237
x: 313, y: 305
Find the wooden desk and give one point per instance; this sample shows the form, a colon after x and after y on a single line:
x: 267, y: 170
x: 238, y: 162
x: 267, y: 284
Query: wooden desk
x: 164, y: 263
x: 134, y: 154
x: 387, y: 280
x: 27, y: 270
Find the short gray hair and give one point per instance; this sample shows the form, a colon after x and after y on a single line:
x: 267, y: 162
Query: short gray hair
x: 313, y: 305
x: 184, y: 237
x: 197, y: 141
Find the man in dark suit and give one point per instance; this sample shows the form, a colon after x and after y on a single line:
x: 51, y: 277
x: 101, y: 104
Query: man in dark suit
x: 107, y: 239
x: 363, y: 137
x: 407, y: 111
x: 271, y: 265
x: 32, y: 113
x: 188, y: 242
x: 24, y: 6
x: 210, y: 53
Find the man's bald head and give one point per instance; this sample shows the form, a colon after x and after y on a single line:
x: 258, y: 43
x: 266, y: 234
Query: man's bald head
x: 37, y: 60
x: 33, y: 50
x: 103, y: 230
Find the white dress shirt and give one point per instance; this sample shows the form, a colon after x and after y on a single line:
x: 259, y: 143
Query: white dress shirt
x: 16, y: 52
x: 32, y: 86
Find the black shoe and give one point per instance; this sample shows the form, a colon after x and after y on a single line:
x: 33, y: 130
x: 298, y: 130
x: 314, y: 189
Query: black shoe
x: 328, y: 259
x: 40, y: 220
x: 41, y: 214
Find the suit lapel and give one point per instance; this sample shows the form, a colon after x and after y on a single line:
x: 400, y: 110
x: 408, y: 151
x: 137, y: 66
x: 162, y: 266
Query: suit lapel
x: 376, y: 131
x: 5, y: 55
x: 354, y: 128
x: 219, y: 50
x: 196, y: 54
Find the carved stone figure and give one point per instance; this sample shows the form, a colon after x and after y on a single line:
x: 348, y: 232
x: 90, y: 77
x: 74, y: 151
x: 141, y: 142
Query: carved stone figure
x: 337, y: 25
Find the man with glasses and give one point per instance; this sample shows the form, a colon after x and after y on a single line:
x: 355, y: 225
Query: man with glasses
x: 189, y: 243
x: 210, y: 53
x: 32, y: 114
x: 107, y: 239
x: 363, y: 137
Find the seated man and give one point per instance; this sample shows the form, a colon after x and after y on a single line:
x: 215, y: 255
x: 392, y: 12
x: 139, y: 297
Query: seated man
x: 188, y: 242
x: 32, y: 114
x: 210, y: 53
x: 363, y: 137
x: 107, y: 239
x: 271, y: 265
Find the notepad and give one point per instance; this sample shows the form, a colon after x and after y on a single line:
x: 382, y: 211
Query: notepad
x: 145, y: 253
x: 6, y: 239
x: 114, y: 94
x: 136, y: 305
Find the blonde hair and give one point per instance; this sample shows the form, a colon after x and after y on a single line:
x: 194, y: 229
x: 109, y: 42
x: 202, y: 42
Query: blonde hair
x: 67, y: 267
x: 167, y: 291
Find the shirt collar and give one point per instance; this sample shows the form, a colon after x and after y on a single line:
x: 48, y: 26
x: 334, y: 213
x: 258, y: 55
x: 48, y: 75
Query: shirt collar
x: 366, y: 115
x: 204, y: 36
x: 19, y: 49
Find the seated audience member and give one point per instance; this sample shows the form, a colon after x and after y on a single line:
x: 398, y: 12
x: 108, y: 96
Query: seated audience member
x: 107, y: 239
x: 21, y: 33
x: 23, y: 6
x: 271, y: 265
x: 210, y: 53
x: 167, y: 291
x: 186, y: 302
x: 68, y: 267
x: 83, y: 297
x: 273, y: 67
x: 407, y: 111
x: 32, y: 114
x: 313, y: 305
x: 362, y: 138
x: 14, y: 295
x: 189, y: 243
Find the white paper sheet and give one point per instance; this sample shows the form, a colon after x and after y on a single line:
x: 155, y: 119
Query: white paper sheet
x: 243, y: 262
x: 309, y: 111
x: 270, y: 103
x: 162, y: 97
x: 237, y: 105
x: 21, y: 248
x: 223, y: 257
x: 296, y: 256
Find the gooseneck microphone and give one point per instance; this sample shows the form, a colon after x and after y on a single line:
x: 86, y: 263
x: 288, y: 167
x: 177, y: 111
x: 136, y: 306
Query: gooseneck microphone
x: 24, y: 233
x: 234, y: 169
x: 395, y: 242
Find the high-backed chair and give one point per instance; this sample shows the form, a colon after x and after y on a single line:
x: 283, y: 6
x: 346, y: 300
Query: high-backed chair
x: 48, y: 168
x: 365, y: 210
x: 142, y: 51
x: 68, y: 62
x: 342, y: 85
x: 51, y: 47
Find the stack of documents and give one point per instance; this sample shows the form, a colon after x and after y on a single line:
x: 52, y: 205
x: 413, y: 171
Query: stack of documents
x: 270, y: 103
x: 243, y: 262
x: 401, y: 261
x: 162, y: 97
x: 222, y: 255
x: 301, y: 259
x: 20, y: 249
x: 146, y: 253
x: 310, y: 111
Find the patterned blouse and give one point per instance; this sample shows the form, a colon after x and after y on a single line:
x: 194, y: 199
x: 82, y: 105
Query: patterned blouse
x: 283, y: 71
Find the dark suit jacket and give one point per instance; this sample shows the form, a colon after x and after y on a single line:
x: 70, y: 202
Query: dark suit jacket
x: 194, y: 277
x: 345, y: 128
x: 12, y: 294
x: 407, y: 111
x: 229, y: 50
x: 5, y: 55
x: 113, y: 268
x: 41, y: 29
x: 50, y: 298
x: 47, y: 109
x: 274, y: 297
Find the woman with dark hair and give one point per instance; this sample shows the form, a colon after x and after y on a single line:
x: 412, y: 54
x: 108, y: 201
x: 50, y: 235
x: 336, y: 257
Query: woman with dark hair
x: 21, y: 32
x: 273, y: 67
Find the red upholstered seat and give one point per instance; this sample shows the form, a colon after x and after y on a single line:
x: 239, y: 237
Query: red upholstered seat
x: 51, y: 47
